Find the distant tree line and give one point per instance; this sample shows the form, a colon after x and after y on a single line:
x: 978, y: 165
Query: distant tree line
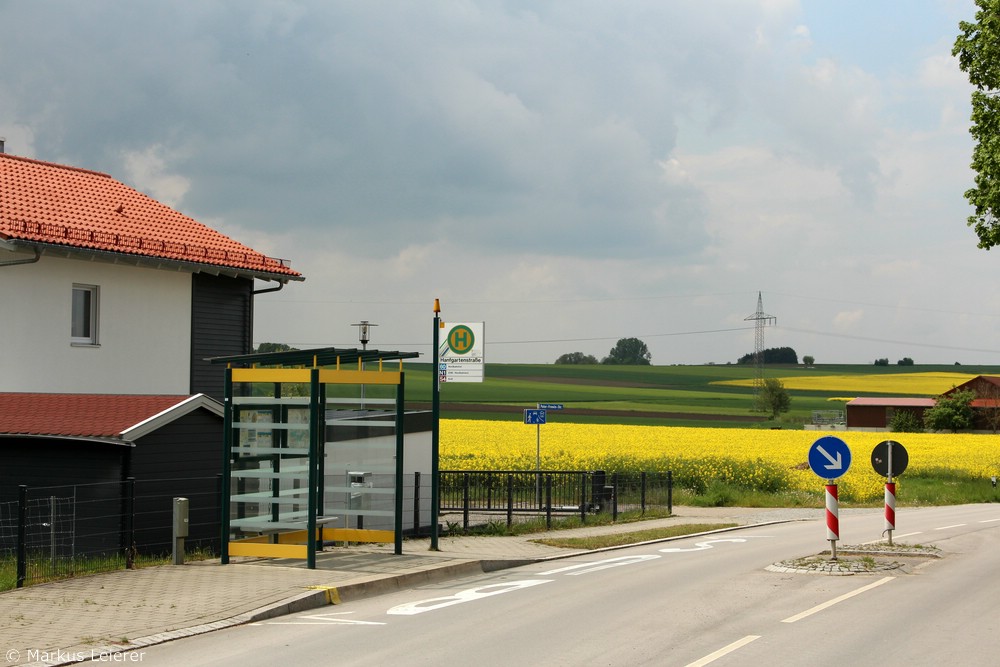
x: 884, y: 361
x: 774, y: 355
x: 626, y: 352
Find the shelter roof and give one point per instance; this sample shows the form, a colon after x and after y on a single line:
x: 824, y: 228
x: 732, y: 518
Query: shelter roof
x: 118, y: 417
x: 58, y: 208
x: 326, y: 356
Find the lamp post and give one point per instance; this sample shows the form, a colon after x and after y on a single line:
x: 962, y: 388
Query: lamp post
x: 363, y: 336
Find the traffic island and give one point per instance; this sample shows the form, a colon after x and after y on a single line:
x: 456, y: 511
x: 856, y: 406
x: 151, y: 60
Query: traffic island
x: 860, y: 559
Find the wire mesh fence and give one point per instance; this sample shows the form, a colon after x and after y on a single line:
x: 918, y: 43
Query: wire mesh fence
x: 62, y: 531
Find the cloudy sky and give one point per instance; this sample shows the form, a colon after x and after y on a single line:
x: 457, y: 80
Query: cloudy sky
x: 569, y: 173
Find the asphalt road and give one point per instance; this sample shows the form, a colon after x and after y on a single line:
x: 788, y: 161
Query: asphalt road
x: 698, y: 601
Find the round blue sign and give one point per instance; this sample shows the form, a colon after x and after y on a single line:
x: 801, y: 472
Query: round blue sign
x: 829, y: 457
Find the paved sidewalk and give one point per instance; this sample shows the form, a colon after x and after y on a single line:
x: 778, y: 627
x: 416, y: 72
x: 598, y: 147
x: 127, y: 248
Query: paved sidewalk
x: 123, y: 611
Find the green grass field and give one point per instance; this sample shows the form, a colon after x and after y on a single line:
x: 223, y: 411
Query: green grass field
x: 663, y: 395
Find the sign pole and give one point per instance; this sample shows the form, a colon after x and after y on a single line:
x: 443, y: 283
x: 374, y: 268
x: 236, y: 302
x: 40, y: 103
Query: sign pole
x: 890, y: 498
x: 435, y: 429
x: 832, y: 519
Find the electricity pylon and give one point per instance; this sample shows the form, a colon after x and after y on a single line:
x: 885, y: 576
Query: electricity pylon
x: 761, y: 320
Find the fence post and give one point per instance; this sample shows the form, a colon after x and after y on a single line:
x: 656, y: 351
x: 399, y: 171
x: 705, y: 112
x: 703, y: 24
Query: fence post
x: 510, y: 500
x: 52, y: 532
x: 642, y: 493
x: 22, y: 534
x: 130, y: 546
x: 670, y: 492
x: 548, y: 502
x: 583, y: 497
x: 465, y: 501
x: 416, y: 503
x: 613, y: 499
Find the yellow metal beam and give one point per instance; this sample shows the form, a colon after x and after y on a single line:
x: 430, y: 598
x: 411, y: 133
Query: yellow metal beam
x: 271, y: 375
x: 267, y: 550
x: 358, y: 535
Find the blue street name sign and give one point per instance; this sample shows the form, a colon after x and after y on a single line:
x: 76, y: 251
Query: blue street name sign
x: 550, y: 406
x: 829, y: 457
x: 534, y: 416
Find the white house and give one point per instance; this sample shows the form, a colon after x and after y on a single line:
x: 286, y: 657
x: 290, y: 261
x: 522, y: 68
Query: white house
x: 105, y: 290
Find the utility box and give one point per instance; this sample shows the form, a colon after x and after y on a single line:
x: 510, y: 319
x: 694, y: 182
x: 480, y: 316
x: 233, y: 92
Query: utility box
x: 181, y: 508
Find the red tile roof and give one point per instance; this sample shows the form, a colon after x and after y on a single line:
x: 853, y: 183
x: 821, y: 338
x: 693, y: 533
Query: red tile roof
x: 55, y: 204
x: 893, y: 402
x: 79, y: 415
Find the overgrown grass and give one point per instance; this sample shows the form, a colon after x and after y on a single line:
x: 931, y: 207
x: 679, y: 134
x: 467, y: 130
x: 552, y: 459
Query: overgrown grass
x: 499, y: 528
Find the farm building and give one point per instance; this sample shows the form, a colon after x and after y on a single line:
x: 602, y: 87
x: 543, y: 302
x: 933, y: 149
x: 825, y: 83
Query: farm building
x: 876, y: 413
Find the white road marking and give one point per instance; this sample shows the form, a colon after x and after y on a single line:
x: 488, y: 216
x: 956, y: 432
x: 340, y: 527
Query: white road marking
x: 323, y: 619
x: 701, y: 546
x: 725, y: 650
x: 586, y: 568
x: 988, y: 520
x: 879, y: 541
x: 419, y: 607
x: 830, y: 603
x: 957, y: 525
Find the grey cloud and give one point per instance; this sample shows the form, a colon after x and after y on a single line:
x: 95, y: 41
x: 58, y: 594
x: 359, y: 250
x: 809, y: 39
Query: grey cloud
x: 499, y: 124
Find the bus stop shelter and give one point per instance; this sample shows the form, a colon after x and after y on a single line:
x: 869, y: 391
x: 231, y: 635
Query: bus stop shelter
x: 313, y: 451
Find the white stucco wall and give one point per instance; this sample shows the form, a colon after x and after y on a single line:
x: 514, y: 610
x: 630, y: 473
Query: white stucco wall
x: 144, y: 329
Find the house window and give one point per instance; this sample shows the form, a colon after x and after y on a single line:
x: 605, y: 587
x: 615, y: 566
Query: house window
x: 84, y: 325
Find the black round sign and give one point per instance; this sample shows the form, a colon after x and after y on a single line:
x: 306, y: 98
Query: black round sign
x: 880, y: 458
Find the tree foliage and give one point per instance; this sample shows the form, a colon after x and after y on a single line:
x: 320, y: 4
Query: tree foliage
x: 952, y: 412
x: 576, y: 358
x: 905, y: 421
x: 274, y: 347
x: 629, y: 352
x: 978, y: 52
x: 884, y: 361
x: 773, y: 355
x: 905, y: 361
x: 774, y: 397
x: 808, y: 360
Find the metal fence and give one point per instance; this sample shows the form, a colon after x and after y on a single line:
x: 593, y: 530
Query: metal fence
x: 475, y: 493
x: 62, y: 531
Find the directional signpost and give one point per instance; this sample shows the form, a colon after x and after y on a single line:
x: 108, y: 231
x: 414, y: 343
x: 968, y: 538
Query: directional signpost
x: 830, y: 457
x: 890, y: 458
x: 537, y: 416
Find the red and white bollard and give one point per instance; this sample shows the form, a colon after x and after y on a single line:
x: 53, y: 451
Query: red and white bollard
x: 832, y: 519
x: 890, y: 509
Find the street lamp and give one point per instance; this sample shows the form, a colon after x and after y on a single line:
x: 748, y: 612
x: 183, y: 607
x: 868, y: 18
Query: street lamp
x: 363, y: 332
x: 363, y: 336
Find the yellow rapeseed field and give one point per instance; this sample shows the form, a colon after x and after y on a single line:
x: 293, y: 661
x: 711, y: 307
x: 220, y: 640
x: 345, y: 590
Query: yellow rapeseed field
x: 923, y: 384
x: 751, y: 458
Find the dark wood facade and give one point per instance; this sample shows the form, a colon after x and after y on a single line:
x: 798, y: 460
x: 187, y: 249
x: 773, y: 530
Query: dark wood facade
x: 221, y: 325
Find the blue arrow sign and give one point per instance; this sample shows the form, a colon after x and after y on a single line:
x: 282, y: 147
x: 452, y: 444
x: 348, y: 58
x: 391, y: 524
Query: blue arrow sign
x: 534, y: 416
x: 829, y: 457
